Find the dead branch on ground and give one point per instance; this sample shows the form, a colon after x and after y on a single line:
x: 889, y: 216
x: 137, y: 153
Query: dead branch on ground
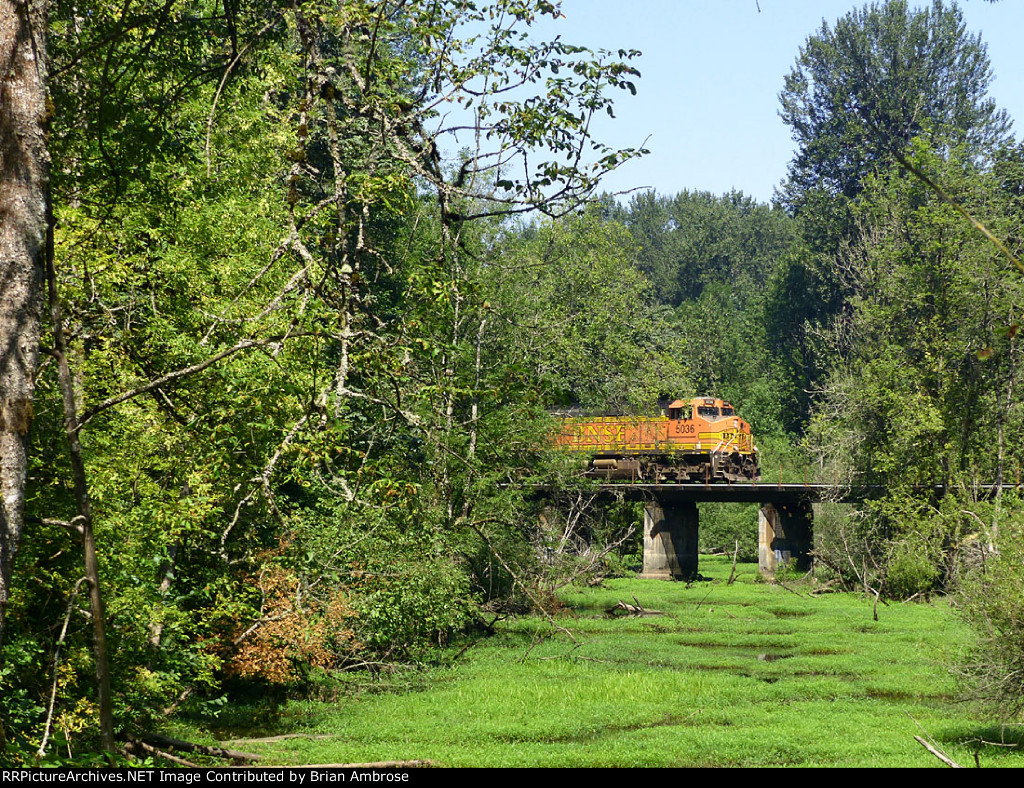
x: 735, y: 555
x: 157, y: 740
x: 632, y: 610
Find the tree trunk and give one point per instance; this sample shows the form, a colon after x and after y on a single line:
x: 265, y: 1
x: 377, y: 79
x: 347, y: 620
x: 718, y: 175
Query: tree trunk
x: 84, y: 503
x: 24, y: 186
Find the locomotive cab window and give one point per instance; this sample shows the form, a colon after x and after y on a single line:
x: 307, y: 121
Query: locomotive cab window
x: 708, y: 411
x: 727, y: 411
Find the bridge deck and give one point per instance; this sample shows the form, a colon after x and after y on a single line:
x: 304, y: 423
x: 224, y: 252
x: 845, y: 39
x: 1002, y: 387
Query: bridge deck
x: 762, y: 492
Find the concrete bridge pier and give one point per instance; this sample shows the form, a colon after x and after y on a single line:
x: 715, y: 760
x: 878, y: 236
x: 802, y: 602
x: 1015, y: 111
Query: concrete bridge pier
x: 670, y: 540
x: 785, y: 533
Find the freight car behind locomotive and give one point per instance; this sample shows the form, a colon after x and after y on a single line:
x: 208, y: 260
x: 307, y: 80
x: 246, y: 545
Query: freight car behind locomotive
x: 697, y: 441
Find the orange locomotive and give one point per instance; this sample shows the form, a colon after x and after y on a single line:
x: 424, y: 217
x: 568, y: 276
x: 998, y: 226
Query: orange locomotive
x: 702, y: 440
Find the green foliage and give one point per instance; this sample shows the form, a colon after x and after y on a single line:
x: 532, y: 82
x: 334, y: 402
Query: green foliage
x: 577, y: 318
x: 302, y: 426
x: 911, y: 568
x: 917, y: 395
x: 991, y: 601
x: 861, y: 90
x: 925, y: 366
x: 404, y: 604
x: 23, y: 661
x: 800, y: 296
x: 722, y: 526
x: 695, y: 239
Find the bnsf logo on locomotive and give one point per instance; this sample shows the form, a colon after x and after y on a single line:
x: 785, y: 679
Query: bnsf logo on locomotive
x: 699, y: 441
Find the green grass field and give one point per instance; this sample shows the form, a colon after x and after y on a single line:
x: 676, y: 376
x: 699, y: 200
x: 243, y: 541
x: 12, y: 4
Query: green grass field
x: 745, y: 675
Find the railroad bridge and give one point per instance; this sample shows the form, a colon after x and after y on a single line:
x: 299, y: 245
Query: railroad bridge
x: 785, y: 521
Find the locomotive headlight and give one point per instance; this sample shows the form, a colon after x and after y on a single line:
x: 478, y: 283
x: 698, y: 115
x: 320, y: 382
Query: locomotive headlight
x: 736, y: 423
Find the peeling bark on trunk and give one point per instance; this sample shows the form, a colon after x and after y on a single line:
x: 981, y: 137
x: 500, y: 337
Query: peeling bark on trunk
x: 24, y: 186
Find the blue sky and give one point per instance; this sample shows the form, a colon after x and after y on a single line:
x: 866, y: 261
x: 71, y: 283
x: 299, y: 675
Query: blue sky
x: 707, y: 102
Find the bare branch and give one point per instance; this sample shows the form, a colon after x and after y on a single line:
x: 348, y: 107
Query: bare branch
x: 244, y: 344
x: 56, y: 665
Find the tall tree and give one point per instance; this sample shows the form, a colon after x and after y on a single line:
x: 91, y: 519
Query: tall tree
x: 883, y: 75
x: 859, y: 93
x: 24, y: 195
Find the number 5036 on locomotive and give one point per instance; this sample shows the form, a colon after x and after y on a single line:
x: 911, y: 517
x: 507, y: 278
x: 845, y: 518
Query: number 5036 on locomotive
x: 698, y: 441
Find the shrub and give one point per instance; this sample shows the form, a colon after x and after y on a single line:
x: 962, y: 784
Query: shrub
x: 410, y: 603
x: 991, y: 600
x: 912, y: 568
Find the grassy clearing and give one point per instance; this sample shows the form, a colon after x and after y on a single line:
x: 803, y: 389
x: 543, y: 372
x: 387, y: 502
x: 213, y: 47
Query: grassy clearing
x: 743, y: 675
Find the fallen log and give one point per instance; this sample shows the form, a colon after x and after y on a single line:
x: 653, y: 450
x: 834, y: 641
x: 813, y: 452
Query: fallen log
x: 825, y: 588
x: 135, y: 747
x: 282, y: 737
x: 156, y: 740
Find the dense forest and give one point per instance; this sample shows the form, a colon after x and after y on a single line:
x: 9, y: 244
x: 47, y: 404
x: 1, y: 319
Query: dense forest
x: 292, y: 289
